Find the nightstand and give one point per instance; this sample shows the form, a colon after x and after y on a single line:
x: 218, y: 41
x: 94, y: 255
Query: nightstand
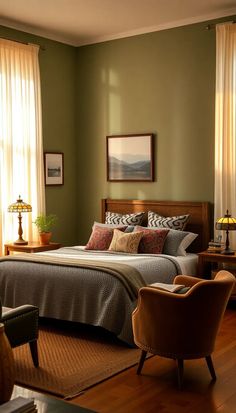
x: 210, y: 263
x: 31, y: 247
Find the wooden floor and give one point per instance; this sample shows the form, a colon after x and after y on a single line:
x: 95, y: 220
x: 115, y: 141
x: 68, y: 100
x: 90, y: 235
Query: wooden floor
x: 155, y: 391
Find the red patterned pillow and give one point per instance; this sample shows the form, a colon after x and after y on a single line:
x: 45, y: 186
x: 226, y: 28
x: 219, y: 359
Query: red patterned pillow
x: 100, y: 238
x: 152, y: 241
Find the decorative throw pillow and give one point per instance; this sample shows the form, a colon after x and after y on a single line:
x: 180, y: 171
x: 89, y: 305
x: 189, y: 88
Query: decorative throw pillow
x: 177, y: 222
x: 152, y: 241
x: 100, y: 238
x: 128, y: 219
x: 172, y: 240
x: 123, y: 242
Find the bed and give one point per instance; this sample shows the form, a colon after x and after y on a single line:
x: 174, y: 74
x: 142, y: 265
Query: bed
x: 63, y: 287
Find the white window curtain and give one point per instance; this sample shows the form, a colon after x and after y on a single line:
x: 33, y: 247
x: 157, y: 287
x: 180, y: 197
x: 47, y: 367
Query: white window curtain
x: 21, y: 147
x: 225, y: 123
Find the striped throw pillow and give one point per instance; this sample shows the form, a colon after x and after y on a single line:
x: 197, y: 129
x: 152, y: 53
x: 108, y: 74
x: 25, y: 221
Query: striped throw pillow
x: 128, y: 219
x: 177, y: 222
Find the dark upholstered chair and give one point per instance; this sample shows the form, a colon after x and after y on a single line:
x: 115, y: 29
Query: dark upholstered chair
x: 21, y: 327
x: 182, y: 326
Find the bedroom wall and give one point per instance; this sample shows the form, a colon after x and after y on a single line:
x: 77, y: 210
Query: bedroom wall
x: 159, y: 82
x: 163, y: 83
x: 58, y: 71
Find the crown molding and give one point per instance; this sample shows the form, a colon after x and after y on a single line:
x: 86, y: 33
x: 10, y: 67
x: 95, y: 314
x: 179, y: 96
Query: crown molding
x: 76, y: 42
x: 160, y: 27
x: 44, y: 33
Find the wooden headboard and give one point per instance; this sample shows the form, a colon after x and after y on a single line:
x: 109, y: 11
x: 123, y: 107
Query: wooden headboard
x: 199, y: 221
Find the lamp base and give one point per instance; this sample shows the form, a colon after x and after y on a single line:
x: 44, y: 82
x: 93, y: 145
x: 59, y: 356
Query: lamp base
x: 20, y: 242
x: 227, y: 251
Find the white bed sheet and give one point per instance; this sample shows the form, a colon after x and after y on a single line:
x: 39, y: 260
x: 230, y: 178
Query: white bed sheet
x: 188, y: 264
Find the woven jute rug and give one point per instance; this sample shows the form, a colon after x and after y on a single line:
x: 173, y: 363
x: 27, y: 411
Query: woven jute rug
x: 72, y: 358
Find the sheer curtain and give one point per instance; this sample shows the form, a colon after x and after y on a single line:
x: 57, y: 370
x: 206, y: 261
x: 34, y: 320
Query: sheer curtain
x: 225, y: 123
x: 21, y: 148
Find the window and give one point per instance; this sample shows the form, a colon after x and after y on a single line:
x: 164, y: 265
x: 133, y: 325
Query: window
x: 21, y: 151
x: 225, y: 123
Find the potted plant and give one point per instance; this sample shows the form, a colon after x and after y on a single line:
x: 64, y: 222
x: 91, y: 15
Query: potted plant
x: 44, y: 223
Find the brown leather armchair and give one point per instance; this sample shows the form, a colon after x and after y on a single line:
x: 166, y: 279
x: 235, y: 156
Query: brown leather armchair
x: 21, y: 327
x: 182, y: 326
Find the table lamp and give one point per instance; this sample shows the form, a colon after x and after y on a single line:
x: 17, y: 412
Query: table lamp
x: 20, y: 206
x: 226, y: 223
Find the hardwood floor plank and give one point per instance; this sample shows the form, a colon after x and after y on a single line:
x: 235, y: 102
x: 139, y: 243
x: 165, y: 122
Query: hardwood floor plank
x: 156, y: 389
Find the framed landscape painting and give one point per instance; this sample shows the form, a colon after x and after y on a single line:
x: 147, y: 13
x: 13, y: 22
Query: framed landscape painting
x: 130, y: 158
x: 54, y: 168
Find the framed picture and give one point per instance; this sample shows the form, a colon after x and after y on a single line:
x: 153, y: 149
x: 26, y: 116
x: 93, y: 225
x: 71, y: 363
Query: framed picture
x: 54, y: 168
x: 130, y: 158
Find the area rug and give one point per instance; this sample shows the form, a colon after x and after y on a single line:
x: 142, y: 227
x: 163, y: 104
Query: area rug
x: 72, y: 358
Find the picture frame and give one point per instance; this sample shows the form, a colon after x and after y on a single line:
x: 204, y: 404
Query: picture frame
x: 54, y: 168
x: 130, y: 158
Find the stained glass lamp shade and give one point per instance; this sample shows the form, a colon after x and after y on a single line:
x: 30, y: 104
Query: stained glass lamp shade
x: 226, y: 223
x: 19, y: 206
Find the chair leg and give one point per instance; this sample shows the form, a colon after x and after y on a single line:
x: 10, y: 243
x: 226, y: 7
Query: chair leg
x: 141, y: 361
x: 211, y: 367
x: 180, y: 372
x: 34, y: 352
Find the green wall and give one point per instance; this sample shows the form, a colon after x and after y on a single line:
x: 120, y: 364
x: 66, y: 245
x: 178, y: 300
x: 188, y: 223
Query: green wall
x: 58, y: 79
x: 160, y: 82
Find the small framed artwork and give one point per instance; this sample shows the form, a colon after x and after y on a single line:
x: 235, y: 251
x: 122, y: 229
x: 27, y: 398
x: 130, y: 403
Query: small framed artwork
x: 130, y: 158
x: 54, y: 168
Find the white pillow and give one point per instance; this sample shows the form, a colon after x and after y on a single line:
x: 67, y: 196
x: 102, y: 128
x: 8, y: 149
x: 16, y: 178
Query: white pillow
x: 129, y: 228
x: 185, y: 243
x: 100, y: 224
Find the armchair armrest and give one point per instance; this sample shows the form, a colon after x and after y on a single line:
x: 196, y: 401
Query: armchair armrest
x: 21, y: 324
x: 187, y: 280
x: 10, y: 313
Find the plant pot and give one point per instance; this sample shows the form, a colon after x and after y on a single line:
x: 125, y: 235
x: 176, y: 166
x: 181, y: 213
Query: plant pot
x: 45, y: 237
x: 7, y: 367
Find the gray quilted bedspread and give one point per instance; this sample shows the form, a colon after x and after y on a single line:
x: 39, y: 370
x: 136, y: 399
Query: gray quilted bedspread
x: 82, y: 294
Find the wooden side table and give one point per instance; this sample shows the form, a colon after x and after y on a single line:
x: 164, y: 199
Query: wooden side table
x: 210, y: 263
x: 31, y: 247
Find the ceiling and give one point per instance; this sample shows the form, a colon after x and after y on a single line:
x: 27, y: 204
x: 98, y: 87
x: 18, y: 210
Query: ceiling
x: 80, y: 22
